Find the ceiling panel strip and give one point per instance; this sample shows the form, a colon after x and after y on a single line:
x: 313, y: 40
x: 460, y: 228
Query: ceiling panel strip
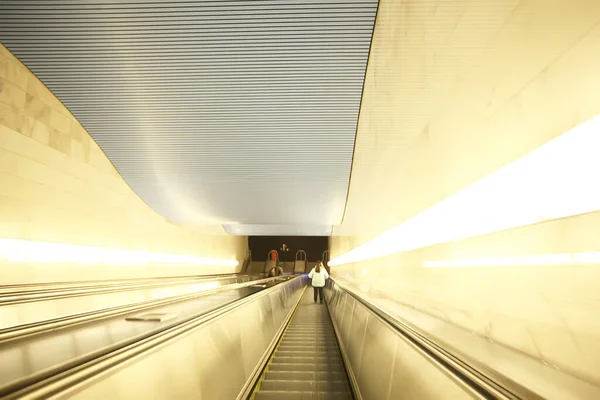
x: 233, y: 110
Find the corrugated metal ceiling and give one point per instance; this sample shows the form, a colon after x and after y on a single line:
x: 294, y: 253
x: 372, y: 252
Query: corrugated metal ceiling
x: 213, y: 111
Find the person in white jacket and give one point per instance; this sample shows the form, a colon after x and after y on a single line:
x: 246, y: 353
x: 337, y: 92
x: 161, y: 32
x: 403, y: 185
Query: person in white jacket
x: 318, y: 275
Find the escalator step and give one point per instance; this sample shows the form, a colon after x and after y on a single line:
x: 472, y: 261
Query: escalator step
x: 310, y: 338
x: 309, y: 333
x: 275, y: 366
x: 325, y: 353
x: 308, y: 341
x: 307, y: 349
x: 307, y: 363
x: 316, y: 327
x: 308, y: 353
x: 304, y: 386
x: 306, y: 375
x: 308, y: 344
x: 307, y: 360
x: 309, y: 329
x: 285, y: 395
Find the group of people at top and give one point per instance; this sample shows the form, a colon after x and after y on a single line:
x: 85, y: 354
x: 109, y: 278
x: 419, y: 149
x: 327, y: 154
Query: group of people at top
x: 318, y: 276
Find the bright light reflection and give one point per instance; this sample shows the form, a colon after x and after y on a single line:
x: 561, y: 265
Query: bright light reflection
x: 24, y: 251
x: 554, y: 181
x: 528, y: 260
x: 200, y: 287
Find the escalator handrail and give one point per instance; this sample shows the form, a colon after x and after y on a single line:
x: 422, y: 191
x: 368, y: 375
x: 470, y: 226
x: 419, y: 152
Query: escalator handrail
x: 302, y: 253
x: 254, y: 378
x: 479, y: 378
x: 59, y: 290
x: 36, y: 328
x: 27, y: 286
x: 76, y: 291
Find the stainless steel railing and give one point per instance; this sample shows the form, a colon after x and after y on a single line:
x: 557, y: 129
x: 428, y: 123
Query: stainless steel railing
x: 15, y: 294
x: 49, y: 381
x: 208, y: 354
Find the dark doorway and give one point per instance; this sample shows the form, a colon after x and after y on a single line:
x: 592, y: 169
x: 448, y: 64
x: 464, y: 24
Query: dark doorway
x: 314, y: 246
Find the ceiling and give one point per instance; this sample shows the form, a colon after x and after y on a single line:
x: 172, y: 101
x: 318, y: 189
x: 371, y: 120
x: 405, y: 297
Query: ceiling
x: 241, y: 113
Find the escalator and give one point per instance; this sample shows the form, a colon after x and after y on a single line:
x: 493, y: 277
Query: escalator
x: 306, y: 363
x: 36, y: 355
x: 256, y: 340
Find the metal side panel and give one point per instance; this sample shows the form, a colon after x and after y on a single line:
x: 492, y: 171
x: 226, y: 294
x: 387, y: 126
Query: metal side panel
x: 378, y: 349
x: 356, y: 338
x: 256, y: 267
x: 288, y: 267
x: 347, y: 315
x: 212, y: 361
x: 385, y: 365
x: 300, y: 266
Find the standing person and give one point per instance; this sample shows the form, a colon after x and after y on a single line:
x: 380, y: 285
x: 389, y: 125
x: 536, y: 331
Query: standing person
x: 275, y: 271
x: 279, y: 270
x: 284, y: 254
x: 318, y: 275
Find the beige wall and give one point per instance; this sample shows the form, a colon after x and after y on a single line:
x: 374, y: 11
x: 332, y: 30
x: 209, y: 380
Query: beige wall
x: 57, y: 185
x: 454, y: 91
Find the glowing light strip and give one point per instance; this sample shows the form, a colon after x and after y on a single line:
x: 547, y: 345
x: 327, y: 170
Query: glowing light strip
x: 201, y: 287
x: 557, y: 180
x: 531, y: 260
x: 24, y: 251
